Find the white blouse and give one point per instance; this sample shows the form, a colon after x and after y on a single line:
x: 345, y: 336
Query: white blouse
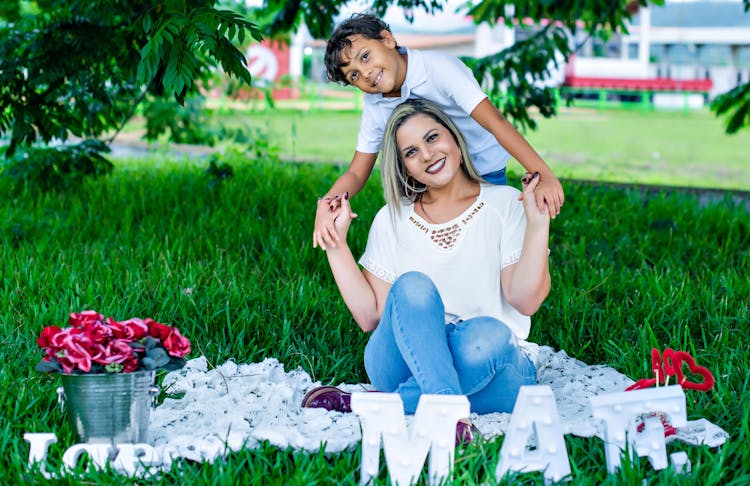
x: 463, y: 256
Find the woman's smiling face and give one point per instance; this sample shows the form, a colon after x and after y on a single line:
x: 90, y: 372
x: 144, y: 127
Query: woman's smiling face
x: 428, y: 150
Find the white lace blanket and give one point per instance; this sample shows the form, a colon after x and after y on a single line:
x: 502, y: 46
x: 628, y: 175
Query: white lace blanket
x: 235, y: 406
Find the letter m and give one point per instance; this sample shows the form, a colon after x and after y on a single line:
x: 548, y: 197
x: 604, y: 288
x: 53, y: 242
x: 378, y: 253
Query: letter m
x: 433, y: 431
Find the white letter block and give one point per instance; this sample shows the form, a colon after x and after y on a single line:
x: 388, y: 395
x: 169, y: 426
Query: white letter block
x: 135, y: 458
x: 680, y: 462
x: 617, y: 411
x: 38, y: 447
x: 650, y: 442
x: 535, y: 413
x: 98, y: 453
x: 433, y: 431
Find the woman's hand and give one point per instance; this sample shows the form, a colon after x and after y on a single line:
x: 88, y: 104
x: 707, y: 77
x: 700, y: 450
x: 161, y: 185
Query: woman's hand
x: 534, y: 212
x: 343, y: 219
x: 324, y: 234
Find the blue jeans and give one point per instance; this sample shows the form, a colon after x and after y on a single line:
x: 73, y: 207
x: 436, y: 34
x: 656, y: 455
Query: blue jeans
x: 497, y: 177
x: 413, y: 351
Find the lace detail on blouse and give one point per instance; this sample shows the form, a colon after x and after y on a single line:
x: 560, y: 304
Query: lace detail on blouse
x: 447, y: 237
x: 511, y: 259
x: 377, y: 270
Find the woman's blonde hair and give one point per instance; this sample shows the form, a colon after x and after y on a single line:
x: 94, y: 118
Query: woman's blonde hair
x: 398, y: 186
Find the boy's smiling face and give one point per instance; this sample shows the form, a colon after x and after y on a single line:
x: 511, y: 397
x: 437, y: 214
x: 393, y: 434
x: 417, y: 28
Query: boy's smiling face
x: 374, y: 65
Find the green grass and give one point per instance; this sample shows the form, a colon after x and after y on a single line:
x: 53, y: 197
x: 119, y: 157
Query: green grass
x: 668, y: 148
x: 629, y: 272
x: 660, y: 147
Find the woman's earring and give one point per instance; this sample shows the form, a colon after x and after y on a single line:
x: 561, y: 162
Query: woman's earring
x: 412, y: 190
x: 409, y: 189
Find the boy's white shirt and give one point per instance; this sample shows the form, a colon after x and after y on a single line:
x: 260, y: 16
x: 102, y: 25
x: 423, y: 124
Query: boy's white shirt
x: 489, y: 238
x: 448, y: 82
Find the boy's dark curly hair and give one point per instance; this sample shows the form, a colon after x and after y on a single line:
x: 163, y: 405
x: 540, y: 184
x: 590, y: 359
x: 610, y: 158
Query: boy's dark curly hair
x: 363, y: 24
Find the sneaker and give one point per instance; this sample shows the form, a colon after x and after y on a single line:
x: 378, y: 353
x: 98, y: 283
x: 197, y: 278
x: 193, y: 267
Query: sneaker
x: 329, y: 398
x: 466, y: 432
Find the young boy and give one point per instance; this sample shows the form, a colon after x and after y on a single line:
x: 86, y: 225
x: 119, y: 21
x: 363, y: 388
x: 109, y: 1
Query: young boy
x: 363, y: 52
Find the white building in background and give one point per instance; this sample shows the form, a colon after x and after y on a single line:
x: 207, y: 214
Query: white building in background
x: 688, y: 40
x: 708, y: 40
x: 694, y: 40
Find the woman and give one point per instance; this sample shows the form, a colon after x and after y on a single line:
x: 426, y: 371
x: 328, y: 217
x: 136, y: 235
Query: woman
x: 452, y: 270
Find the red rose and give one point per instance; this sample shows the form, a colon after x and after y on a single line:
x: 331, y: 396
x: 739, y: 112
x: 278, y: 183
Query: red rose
x: 56, y: 341
x: 78, y: 352
x: 67, y: 365
x: 78, y: 320
x: 50, y: 355
x: 91, y: 342
x: 130, y: 364
x: 45, y: 338
x: 97, y: 332
x: 157, y: 330
x: 132, y: 330
x: 176, y: 344
x: 117, y: 351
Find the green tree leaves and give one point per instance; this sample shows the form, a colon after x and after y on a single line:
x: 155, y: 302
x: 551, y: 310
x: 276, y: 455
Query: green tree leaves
x: 181, y: 43
x: 512, y: 77
x: 81, y: 68
x: 736, y: 102
x: 72, y: 67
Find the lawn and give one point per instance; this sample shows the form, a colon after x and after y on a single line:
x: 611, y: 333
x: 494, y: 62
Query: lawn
x: 629, y: 272
x: 667, y: 148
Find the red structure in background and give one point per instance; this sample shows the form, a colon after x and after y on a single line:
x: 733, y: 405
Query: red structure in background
x: 634, y: 84
x: 268, y: 62
x: 647, y: 84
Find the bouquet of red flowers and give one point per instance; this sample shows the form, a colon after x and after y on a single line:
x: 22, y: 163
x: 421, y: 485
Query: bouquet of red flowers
x: 93, y: 344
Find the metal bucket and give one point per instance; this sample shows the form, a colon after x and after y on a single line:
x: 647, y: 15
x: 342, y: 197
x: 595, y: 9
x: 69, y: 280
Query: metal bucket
x: 109, y: 408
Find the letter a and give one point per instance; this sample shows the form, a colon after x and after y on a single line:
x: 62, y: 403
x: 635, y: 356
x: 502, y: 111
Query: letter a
x: 534, y: 413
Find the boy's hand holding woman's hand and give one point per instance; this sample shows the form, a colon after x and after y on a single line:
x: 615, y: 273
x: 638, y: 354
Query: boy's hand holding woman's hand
x: 535, y: 213
x: 549, y: 191
x: 332, y: 218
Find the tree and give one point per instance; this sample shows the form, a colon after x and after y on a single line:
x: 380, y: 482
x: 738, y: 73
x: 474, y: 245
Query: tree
x: 511, y: 74
x: 81, y: 67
